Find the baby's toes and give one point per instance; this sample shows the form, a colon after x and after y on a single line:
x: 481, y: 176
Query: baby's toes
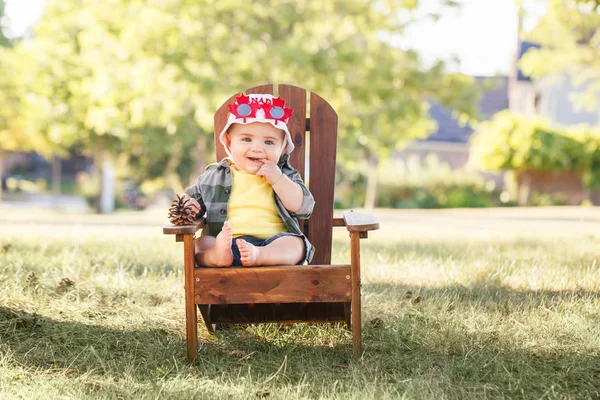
x: 242, y: 245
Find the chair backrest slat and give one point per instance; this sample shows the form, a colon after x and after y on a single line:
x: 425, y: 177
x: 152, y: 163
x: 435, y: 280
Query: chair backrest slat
x: 322, y: 139
x: 323, y: 142
x: 295, y: 98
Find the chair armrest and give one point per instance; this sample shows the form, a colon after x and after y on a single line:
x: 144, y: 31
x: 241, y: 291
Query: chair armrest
x: 183, y: 229
x: 358, y: 222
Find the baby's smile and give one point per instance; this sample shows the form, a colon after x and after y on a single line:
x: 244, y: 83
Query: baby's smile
x: 258, y: 160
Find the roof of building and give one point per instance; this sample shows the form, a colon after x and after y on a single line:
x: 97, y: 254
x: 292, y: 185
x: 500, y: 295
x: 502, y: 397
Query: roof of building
x: 492, y: 101
x: 524, y: 46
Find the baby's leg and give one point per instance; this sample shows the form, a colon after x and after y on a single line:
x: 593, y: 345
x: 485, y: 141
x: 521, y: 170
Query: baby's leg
x: 215, y: 252
x: 286, y: 250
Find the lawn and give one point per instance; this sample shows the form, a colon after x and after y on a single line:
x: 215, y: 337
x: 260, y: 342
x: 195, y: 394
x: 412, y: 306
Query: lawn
x: 457, y: 304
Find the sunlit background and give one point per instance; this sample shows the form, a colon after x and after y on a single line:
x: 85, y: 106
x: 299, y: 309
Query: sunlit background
x: 109, y: 104
x: 480, y: 35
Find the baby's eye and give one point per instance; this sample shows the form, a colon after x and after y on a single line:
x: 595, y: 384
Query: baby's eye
x: 246, y: 139
x: 269, y: 142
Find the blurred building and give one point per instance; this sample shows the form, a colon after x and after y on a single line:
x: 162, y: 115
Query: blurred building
x: 551, y: 97
x: 32, y: 166
x: 450, y: 142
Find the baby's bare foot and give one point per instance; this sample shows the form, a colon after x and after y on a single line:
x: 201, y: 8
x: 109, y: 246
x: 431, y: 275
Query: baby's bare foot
x: 222, y: 247
x: 248, y: 253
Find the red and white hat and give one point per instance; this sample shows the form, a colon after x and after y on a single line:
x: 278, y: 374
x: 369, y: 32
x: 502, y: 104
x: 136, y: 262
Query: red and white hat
x: 260, y: 108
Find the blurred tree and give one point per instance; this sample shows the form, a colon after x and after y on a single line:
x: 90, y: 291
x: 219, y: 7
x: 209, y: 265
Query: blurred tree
x: 569, y: 35
x: 4, y: 41
x: 16, y: 75
x: 385, y: 104
x: 21, y: 114
x: 106, y: 93
x: 137, y: 82
x: 379, y: 91
x: 595, y: 4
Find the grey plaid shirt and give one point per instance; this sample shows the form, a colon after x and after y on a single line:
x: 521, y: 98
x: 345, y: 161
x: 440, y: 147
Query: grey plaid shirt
x: 213, y: 188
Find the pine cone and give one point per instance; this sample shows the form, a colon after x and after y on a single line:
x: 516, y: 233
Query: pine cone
x: 181, y: 212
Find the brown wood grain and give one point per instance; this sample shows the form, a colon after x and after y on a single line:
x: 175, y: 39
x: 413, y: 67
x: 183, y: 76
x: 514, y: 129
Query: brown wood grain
x: 231, y: 314
x: 261, y: 89
x: 356, y: 301
x: 323, y: 141
x: 339, y: 222
x: 295, y: 98
x: 205, y: 312
x: 182, y: 229
x: 191, y: 320
x: 286, y: 284
x: 359, y: 222
x: 348, y: 315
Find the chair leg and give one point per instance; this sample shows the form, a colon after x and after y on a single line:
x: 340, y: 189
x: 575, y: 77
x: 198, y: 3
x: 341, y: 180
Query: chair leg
x: 191, y: 318
x: 205, y: 311
x: 348, y: 315
x: 356, y: 317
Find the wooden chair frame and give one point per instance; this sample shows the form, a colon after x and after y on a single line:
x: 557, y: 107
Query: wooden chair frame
x: 319, y: 292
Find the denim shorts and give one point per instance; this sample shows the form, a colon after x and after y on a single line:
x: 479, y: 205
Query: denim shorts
x: 260, y: 243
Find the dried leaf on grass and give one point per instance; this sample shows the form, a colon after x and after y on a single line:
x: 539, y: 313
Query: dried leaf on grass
x: 65, y: 285
x: 264, y: 392
x: 33, y: 280
x: 376, y: 322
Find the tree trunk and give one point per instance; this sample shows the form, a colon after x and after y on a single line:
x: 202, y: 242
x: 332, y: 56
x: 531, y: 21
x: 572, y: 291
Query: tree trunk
x: 586, y: 193
x: 371, y: 196
x: 524, y: 185
x: 106, y: 202
x: 56, y: 175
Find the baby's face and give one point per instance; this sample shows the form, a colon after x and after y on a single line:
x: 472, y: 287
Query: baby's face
x: 252, y: 145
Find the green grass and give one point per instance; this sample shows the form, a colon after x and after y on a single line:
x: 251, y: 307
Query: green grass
x: 457, y: 304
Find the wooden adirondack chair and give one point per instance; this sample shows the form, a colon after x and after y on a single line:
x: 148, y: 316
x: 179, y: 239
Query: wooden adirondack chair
x: 318, y: 292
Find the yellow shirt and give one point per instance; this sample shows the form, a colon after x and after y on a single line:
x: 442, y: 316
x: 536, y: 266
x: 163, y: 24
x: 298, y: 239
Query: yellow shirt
x: 251, y: 208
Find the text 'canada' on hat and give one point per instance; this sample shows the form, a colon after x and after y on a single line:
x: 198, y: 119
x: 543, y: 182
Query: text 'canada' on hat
x: 260, y: 108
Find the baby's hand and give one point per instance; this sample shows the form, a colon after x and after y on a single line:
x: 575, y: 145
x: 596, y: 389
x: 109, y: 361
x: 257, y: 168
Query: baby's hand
x: 270, y: 171
x: 193, y: 203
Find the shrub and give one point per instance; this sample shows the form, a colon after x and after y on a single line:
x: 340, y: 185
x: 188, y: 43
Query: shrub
x: 433, y: 184
x: 520, y: 143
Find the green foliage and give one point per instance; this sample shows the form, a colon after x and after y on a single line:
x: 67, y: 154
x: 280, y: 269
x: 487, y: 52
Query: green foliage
x: 568, y: 34
x: 142, y: 80
x: 22, y: 111
x: 4, y: 41
x: 520, y: 143
x: 411, y: 184
x: 440, y: 195
x: 547, y: 199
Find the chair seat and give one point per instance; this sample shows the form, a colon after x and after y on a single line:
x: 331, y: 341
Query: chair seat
x: 280, y: 284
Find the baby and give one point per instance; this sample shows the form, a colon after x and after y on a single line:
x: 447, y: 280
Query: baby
x: 253, y: 198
